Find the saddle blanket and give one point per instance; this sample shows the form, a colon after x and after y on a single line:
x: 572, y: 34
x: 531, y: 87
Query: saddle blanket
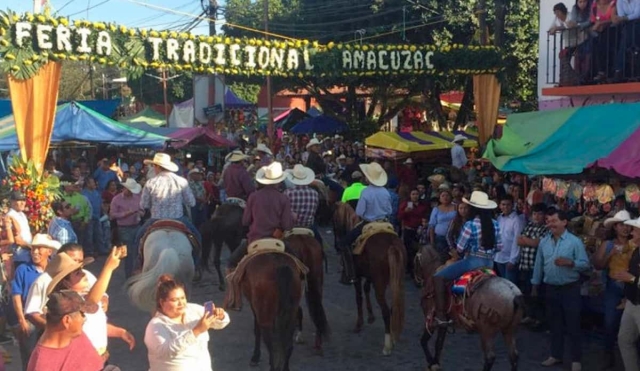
x: 460, y: 285
x: 369, y: 230
x: 236, y: 201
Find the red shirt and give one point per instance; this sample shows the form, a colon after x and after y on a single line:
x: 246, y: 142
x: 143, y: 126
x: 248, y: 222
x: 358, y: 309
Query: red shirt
x: 408, y: 176
x: 412, y: 218
x: 79, y: 355
x: 267, y: 210
x: 237, y: 181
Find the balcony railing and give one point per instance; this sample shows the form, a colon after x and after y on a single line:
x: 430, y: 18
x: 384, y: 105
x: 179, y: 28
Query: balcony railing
x: 578, y: 56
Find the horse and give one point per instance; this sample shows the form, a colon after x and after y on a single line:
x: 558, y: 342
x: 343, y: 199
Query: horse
x: 308, y: 249
x: 327, y: 201
x: 273, y: 286
x: 225, y: 226
x: 496, y: 305
x: 165, y: 251
x: 381, y: 263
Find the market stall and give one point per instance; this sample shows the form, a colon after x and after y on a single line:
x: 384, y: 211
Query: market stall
x: 418, y: 145
x: 147, y: 116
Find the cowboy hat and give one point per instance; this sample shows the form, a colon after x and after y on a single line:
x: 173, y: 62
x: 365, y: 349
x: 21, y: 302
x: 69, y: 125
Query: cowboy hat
x: 437, y: 178
x: 132, y: 186
x: 459, y: 138
x: 235, y: 156
x: 61, y: 266
x: 313, y: 142
x: 620, y: 217
x: 195, y: 170
x: 271, y: 174
x: 342, y: 157
x: 44, y: 240
x: 356, y: 175
x: 633, y: 222
x: 374, y: 173
x: 480, y: 200
x: 328, y: 153
x: 263, y: 148
x: 301, y: 175
x: 164, y: 161
x: 408, y: 161
x: 337, y: 136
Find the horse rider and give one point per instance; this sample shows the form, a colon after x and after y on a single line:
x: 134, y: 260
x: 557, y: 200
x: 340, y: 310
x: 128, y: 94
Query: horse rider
x: 237, y: 182
x: 267, y: 213
x: 352, y: 193
x: 304, y: 199
x: 166, y: 195
x: 374, y: 205
x: 316, y: 163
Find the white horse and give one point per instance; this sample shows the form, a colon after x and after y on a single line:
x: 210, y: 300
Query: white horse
x: 165, y: 252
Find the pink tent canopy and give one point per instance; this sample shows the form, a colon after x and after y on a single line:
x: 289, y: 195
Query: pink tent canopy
x: 199, y: 135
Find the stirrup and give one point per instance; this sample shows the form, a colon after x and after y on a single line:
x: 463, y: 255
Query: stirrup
x: 441, y: 323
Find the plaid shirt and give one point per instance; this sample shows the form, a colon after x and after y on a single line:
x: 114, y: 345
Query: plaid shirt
x: 165, y: 194
x: 304, y: 203
x: 528, y: 253
x: 62, y: 231
x: 470, y: 239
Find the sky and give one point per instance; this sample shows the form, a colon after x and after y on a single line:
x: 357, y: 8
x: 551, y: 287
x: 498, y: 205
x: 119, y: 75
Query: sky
x: 129, y: 13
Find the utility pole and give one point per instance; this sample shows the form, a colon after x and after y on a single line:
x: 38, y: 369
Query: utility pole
x: 37, y: 6
x: 163, y: 80
x: 270, y: 128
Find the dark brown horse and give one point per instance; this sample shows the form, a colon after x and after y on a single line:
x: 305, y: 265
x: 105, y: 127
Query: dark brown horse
x: 273, y: 286
x: 496, y: 306
x: 310, y: 253
x: 327, y: 202
x: 381, y: 263
x: 224, y: 227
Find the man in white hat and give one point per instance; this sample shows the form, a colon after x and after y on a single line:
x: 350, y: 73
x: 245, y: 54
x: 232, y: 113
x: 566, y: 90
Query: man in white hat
x: 407, y: 174
x: 166, y: 195
x: 304, y: 199
x: 458, y: 156
x: 374, y: 205
x: 266, y: 156
x: 125, y: 210
x: 237, y: 182
x: 268, y: 211
x: 315, y: 161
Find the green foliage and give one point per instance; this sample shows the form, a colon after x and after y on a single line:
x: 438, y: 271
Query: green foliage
x: 149, y: 90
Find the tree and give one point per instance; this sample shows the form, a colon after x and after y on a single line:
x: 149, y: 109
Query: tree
x: 149, y: 89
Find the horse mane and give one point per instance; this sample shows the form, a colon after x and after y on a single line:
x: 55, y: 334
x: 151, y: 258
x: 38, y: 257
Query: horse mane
x: 345, y: 218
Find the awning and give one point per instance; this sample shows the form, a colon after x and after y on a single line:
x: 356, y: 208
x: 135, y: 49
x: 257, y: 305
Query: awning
x: 418, y: 141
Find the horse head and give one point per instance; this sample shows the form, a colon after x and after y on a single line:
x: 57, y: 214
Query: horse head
x: 344, y: 218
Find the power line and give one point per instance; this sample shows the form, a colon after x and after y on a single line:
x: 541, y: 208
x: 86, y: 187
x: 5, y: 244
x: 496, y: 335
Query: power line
x: 64, y: 6
x: 89, y: 8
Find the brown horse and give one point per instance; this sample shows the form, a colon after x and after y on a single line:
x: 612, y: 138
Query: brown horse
x: 224, y: 227
x: 496, y: 306
x: 381, y: 263
x: 310, y: 253
x: 273, y: 286
x: 327, y: 202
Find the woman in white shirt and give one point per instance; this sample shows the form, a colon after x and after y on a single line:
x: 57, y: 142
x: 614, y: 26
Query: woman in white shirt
x: 177, y: 336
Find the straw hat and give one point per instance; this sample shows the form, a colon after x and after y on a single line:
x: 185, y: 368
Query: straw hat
x: 633, y: 222
x: 342, y: 157
x: 164, y: 161
x: 313, y: 142
x: 301, y: 175
x: 263, y: 148
x: 195, y: 171
x: 235, y: 156
x: 437, y: 179
x: 44, y: 240
x: 271, y: 174
x: 408, y: 161
x: 132, y: 186
x: 374, y: 173
x: 480, y: 200
x: 458, y: 138
x: 61, y: 266
x: 620, y: 217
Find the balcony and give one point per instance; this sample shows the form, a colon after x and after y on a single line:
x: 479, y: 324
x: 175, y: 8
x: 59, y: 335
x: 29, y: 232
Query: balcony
x: 581, y: 62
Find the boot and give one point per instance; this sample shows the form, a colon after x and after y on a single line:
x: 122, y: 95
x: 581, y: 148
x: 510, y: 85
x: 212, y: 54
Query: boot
x: 348, y: 269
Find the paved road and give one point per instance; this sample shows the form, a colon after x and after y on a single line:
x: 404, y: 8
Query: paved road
x: 231, y: 348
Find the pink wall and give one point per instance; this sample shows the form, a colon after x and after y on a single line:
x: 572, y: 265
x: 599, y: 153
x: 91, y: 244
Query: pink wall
x: 586, y: 100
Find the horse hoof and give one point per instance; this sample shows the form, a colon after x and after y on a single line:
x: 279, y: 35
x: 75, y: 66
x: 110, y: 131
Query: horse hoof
x: 298, y: 338
x: 386, y: 351
x: 371, y: 319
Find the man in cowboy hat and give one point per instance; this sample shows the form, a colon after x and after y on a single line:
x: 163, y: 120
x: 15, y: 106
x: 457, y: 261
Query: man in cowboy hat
x: 374, y: 205
x: 304, y: 199
x: 265, y: 154
x: 236, y: 180
x: 352, y: 193
x: 268, y: 211
x: 458, y: 156
x: 125, y: 210
x: 407, y: 174
x: 166, y: 195
x: 315, y: 161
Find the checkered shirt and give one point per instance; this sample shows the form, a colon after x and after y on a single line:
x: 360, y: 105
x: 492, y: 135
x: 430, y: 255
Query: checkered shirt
x: 304, y: 203
x: 470, y: 239
x: 528, y: 253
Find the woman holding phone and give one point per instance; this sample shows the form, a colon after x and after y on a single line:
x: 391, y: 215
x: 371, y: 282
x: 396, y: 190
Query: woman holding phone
x: 177, y: 336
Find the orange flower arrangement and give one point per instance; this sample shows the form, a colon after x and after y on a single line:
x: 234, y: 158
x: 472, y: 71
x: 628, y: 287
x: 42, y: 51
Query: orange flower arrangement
x: 40, y: 191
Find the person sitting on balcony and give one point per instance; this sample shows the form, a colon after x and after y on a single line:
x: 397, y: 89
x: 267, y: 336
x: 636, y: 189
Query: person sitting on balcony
x: 626, y: 11
x: 602, y: 13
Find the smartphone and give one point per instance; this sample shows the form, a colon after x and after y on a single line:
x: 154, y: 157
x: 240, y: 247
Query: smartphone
x: 209, y: 307
x: 410, y: 204
x: 123, y: 251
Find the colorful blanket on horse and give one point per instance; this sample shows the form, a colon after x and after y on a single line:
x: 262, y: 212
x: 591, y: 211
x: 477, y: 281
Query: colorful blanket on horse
x: 168, y: 224
x: 470, y: 280
x: 233, y: 298
x: 369, y: 230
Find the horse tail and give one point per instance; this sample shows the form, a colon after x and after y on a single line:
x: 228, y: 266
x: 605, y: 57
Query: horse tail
x: 518, y: 307
x: 396, y: 280
x: 207, y: 233
x: 314, y: 299
x: 284, y: 325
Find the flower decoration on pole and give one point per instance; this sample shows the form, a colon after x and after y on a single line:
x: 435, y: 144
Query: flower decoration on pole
x: 40, y: 191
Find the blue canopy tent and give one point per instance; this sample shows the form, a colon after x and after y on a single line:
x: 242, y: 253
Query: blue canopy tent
x: 231, y: 100
x: 320, y: 124
x: 5, y: 107
x: 75, y: 122
x: 104, y: 107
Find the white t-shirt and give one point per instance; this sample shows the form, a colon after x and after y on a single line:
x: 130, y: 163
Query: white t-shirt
x: 21, y: 255
x: 37, y: 297
x: 95, y: 327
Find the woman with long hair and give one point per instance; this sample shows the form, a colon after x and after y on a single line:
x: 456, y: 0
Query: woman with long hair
x: 455, y: 227
x: 479, y: 239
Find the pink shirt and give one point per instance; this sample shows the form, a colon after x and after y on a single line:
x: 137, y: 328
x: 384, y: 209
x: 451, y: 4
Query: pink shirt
x: 79, y: 355
x: 121, y: 205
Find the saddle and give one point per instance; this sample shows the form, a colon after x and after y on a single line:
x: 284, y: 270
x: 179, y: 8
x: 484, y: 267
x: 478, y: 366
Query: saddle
x: 236, y: 201
x: 464, y: 287
x: 263, y: 246
x: 166, y: 224
x: 299, y: 232
x: 369, y: 230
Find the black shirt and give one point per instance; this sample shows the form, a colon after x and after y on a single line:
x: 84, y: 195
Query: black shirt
x: 631, y: 290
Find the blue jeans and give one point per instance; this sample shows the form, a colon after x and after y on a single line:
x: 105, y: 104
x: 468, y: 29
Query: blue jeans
x: 613, y: 294
x: 199, y: 214
x: 511, y: 275
x: 468, y: 264
x: 316, y: 234
x: 353, y: 235
x: 127, y: 236
x: 94, y: 238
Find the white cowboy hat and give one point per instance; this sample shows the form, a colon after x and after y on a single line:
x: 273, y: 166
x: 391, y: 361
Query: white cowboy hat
x: 194, y: 171
x: 342, y: 157
x: 263, y: 148
x: 328, y: 153
x: 480, y: 200
x: 42, y: 239
x: 164, y: 161
x: 132, y: 186
x: 633, y: 222
x: 235, y: 156
x: 620, y: 217
x: 408, y: 161
x: 374, y: 173
x: 337, y: 136
x: 313, y: 142
x: 458, y: 138
x: 271, y: 174
x: 301, y: 175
